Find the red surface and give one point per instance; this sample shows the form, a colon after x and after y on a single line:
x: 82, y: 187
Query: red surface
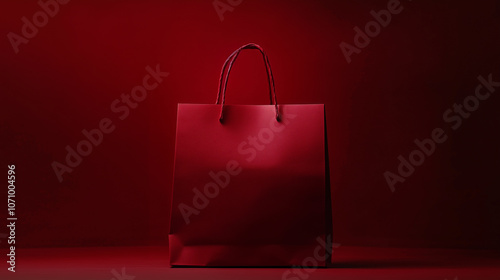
x: 350, y: 263
x: 66, y: 78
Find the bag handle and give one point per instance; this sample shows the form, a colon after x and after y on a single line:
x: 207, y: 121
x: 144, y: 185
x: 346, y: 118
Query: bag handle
x: 221, y: 94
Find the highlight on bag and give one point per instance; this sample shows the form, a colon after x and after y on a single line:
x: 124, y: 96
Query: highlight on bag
x: 251, y: 182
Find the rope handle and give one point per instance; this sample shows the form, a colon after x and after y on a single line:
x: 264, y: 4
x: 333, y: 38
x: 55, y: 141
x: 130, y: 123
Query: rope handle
x: 228, y: 64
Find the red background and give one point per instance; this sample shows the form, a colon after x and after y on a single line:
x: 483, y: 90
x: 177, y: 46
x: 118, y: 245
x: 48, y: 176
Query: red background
x: 393, y: 92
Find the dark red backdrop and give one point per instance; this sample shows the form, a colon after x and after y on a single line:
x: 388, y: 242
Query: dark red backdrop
x: 394, y: 91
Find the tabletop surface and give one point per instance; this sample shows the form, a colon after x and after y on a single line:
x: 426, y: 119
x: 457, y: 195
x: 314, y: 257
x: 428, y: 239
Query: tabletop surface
x: 150, y: 263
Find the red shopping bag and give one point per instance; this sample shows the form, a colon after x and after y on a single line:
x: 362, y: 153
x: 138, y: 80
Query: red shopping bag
x: 251, y: 185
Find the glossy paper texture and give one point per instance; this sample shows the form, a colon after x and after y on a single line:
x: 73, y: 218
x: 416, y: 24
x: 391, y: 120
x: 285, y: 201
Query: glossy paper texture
x: 249, y: 191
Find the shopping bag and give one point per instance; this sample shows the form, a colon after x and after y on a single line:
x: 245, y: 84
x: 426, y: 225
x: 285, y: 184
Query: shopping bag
x: 251, y: 185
